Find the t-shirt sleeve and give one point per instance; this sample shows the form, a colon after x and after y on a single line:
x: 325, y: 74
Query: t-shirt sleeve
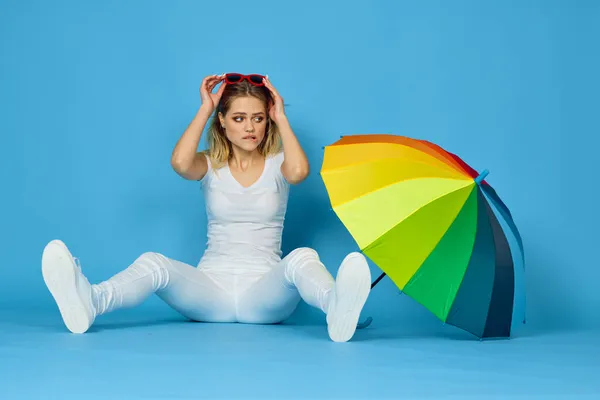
x: 277, y: 162
x: 206, y: 178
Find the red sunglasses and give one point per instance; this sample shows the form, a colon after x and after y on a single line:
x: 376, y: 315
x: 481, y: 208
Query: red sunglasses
x: 254, y: 79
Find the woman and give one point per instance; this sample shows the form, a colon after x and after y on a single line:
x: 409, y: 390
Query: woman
x: 241, y: 277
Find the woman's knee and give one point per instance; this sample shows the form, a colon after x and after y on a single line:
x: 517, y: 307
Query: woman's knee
x: 156, y: 264
x: 150, y: 255
x: 152, y: 258
x: 302, y: 254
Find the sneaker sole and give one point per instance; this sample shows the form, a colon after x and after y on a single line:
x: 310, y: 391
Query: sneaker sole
x: 60, y: 277
x: 354, y: 280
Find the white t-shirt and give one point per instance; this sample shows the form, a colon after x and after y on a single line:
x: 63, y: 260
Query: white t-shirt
x: 245, y: 225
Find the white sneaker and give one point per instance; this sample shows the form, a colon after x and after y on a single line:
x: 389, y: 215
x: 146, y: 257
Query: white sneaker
x: 68, y: 286
x: 349, y: 295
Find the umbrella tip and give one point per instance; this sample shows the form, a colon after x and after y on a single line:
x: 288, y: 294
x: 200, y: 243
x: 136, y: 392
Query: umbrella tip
x: 481, y: 176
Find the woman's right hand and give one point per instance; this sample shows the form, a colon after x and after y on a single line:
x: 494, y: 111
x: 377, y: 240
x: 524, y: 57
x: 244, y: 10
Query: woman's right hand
x: 210, y: 99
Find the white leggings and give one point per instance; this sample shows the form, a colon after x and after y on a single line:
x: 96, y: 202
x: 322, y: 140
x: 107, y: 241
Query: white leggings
x: 213, y: 296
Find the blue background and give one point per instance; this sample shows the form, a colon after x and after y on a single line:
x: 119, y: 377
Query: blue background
x: 94, y: 96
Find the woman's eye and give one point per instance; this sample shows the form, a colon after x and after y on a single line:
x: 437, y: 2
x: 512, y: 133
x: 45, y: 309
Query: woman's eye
x: 240, y: 119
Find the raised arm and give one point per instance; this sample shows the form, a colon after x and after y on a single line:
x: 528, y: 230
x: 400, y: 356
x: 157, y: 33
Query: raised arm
x: 185, y: 159
x: 295, y: 167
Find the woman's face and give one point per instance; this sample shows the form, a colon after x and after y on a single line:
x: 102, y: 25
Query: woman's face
x: 245, y: 123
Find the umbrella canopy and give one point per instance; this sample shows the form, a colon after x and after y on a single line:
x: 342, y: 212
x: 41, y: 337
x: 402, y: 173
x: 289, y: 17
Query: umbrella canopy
x: 433, y: 225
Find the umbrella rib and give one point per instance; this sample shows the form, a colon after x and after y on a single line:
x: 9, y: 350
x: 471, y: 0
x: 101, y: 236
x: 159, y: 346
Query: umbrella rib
x: 415, y: 211
x: 397, y: 182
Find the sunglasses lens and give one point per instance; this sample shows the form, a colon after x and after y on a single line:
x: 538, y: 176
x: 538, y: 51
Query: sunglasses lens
x: 256, y: 79
x: 234, y: 78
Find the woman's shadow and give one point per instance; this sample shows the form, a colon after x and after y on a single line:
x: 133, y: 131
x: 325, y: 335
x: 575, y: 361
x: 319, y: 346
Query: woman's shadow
x: 309, y: 215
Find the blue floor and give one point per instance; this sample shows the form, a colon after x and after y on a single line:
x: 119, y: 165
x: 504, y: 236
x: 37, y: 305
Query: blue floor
x: 136, y: 355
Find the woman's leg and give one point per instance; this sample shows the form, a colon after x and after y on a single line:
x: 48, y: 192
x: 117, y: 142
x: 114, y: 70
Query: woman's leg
x: 301, y: 275
x: 186, y: 289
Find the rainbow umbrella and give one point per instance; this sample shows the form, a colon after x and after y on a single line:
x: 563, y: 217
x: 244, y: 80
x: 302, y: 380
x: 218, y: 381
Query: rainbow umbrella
x: 433, y: 225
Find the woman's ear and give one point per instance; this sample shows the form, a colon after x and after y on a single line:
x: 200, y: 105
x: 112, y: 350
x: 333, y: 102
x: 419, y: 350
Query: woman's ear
x: 221, y: 119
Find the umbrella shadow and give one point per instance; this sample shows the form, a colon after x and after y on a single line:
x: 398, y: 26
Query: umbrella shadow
x: 309, y: 215
x: 443, y: 332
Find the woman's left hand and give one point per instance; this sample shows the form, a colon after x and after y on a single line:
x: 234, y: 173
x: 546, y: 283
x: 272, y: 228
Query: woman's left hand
x: 276, y: 111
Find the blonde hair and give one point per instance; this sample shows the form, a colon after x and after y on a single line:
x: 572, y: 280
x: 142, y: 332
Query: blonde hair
x: 219, y: 147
